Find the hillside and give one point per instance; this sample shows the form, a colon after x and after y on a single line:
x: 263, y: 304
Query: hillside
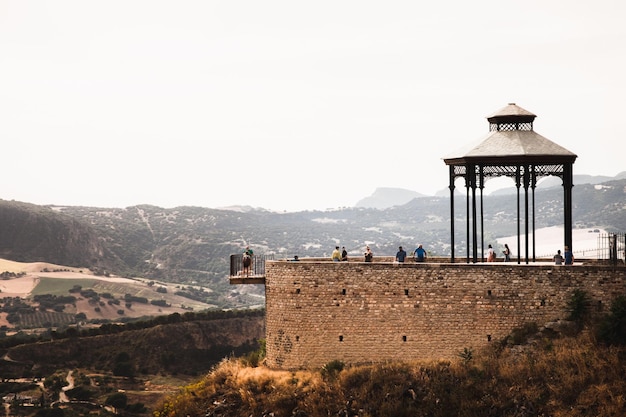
x: 192, y: 245
x: 569, y: 376
x: 174, y: 344
x: 187, y: 249
x: 32, y: 233
x: 82, y: 370
x: 52, y: 295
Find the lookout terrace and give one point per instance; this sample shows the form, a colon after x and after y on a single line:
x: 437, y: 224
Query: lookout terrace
x: 357, y: 312
x: 365, y: 312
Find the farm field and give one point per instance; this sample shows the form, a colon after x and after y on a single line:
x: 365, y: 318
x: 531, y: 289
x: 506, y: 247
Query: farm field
x: 41, y: 278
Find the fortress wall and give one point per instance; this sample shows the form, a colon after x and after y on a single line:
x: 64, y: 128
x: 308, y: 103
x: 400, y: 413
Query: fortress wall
x: 358, y: 312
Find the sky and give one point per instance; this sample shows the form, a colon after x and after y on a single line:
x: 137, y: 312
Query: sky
x: 291, y: 105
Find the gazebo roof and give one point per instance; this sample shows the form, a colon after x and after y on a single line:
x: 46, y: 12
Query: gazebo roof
x: 511, y: 110
x: 511, y: 146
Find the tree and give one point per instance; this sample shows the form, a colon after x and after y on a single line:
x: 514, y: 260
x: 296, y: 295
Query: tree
x: 124, y: 369
x: 50, y: 412
x: 119, y: 400
x: 80, y: 393
x: 612, y: 329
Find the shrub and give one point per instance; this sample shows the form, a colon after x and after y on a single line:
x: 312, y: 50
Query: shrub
x: 118, y: 400
x: 50, y: 412
x: 612, y: 328
x: 253, y: 359
x: 466, y: 355
x: 578, y: 306
x: 80, y: 393
x: 136, y: 408
x: 332, y: 369
x: 124, y: 369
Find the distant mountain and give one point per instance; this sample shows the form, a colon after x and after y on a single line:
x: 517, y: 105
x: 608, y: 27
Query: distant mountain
x: 551, y: 181
x: 581, y: 179
x: 546, y: 182
x: 388, y: 197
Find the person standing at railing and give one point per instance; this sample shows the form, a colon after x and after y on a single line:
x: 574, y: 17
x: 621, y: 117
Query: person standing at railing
x: 400, y: 255
x: 419, y: 253
x: 569, y: 256
x: 507, y: 253
x: 336, y: 256
x: 369, y: 255
x: 247, y: 260
x: 491, y: 254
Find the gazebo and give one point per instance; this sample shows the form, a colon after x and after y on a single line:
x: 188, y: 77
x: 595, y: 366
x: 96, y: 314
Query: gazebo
x: 511, y: 149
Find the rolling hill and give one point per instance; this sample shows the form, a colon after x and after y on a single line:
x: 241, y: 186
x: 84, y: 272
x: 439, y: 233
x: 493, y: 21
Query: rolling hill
x: 191, y: 246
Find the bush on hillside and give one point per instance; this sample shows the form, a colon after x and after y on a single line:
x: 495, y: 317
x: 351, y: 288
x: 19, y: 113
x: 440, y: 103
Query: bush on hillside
x: 572, y: 377
x: 612, y: 328
x: 578, y: 307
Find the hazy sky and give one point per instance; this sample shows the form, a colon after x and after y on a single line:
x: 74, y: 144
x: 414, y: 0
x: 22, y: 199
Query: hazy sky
x: 291, y: 105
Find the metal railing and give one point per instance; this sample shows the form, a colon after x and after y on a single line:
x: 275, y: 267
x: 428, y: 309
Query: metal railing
x: 612, y: 247
x: 256, y: 268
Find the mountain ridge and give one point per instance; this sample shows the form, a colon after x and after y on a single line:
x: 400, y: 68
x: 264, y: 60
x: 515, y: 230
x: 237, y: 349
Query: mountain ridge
x: 386, y: 197
x: 193, y: 245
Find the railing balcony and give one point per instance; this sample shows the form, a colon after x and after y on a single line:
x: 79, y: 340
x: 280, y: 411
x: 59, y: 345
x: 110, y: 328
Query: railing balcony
x: 254, y: 274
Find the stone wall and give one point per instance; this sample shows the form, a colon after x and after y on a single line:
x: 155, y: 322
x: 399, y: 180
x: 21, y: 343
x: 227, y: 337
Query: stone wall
x: 319, y: 311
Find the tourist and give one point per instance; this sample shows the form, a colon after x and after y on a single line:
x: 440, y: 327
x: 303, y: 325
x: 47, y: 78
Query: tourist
x: 400, y: 255
x: 344, y: 254
x: 419, y: 253
x: 569, y: 256
x: 368, y: 254
x: 507, y: 253
x: 247, y: 260
x: 491, y: 254
x: 336, y: 256
x: 558, y: 258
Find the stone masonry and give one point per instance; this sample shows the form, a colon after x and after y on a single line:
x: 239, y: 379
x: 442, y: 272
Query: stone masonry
x: 356, y: 312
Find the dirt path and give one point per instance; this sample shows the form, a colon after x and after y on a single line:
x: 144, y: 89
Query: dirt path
x: 70, y: 384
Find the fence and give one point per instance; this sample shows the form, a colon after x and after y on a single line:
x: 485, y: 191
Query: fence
x: 612, y: 247
x: 256, y: 269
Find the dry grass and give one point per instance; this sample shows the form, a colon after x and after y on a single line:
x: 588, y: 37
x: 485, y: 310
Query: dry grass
x: 563, y: 377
